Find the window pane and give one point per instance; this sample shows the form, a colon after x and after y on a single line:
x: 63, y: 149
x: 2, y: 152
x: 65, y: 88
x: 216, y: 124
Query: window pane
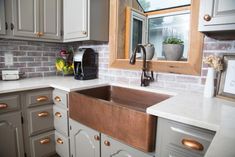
x: 150, y: 5
x: 137, y: 33
x: 163, y: 27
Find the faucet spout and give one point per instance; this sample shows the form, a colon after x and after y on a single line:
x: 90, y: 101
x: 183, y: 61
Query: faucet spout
x: 145, y: 79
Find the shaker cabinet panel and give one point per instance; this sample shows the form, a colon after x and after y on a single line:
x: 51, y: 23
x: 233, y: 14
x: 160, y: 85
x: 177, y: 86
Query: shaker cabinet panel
x: 2, y: 17
x: 25, y: 18
x: 217, y: 15
x: 75, y: 19
x: 11, y: 135
x: 50, y: 19
x: 84, y: 141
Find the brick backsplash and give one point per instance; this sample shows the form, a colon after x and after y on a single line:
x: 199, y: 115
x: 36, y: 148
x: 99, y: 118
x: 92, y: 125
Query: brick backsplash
x: 34, y: 59
x: 37, y: 59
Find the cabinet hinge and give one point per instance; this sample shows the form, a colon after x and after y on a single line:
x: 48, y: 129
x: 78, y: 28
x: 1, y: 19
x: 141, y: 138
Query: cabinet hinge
x: 12, y: 26
x: 6, y: 26
x: 70, y: 127
x: 22, y: 120
x: 62, y: 33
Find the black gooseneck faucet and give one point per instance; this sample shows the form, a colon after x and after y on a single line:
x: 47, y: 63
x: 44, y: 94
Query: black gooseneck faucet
x: 145, y: 78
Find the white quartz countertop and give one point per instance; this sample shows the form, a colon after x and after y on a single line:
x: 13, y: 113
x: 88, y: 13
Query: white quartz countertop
x: 67, y: 83
x: 189, y: 108
x: 209, y: 113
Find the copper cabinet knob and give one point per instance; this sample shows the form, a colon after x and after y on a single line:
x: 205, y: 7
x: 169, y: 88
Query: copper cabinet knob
x: 107, y: 143
x: 45, y: 141
x: 57, y: 98
x: 43, y: 114
x: 59, y: 141
x: 3, y: 106
x: 41, y: 34
x: 58, y: 114
x: 42, y: 98
x: 84, y: 32
x: 207, y: 17
x: 37, y: 34
x: 97, y: 137
x: 192, y: 144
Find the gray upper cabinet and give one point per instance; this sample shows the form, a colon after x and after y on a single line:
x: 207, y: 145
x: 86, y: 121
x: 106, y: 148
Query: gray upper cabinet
x: 2, y: 17
x: 25, y: 18
x: 86, y: 20
x: 11, y: 135
x: 84, y: 141
x: 217, y: 15
x: 114, y: 148
x: 37, y: 18
x: 50, y: 19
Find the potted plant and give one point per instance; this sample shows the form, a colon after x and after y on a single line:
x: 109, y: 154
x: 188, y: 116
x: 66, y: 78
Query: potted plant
x: 173, y: 48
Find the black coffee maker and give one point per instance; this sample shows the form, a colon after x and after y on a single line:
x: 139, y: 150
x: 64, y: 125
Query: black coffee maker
x: 85, y: 64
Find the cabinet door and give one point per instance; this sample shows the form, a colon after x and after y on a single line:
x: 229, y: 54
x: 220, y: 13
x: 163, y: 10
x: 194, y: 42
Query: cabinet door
x: 75, y: 19
x: 111, y: 147
x: 2, y: 17
x: 50, y: 19
x: 11, y: 135
x: 217, y: 15
x: 84, y: 141
x: 26, y: 18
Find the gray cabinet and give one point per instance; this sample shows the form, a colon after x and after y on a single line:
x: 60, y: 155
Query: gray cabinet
x: 86, y: 20
x: 2, y: 17
x: 84, y: 141
x: 180, y: 140
x: 11, y: 135
x: 37, y: 19
x: 114, y: 148
x: 25, y: 18
x: 217, y: 15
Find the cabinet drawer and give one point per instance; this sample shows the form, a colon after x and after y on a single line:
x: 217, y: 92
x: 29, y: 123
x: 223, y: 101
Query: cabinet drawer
x: 43, y: 145
x: 40, y: 119
x: 60, y: 98
x: 188, y: 138
x: 9, y: 102
x: 40, y: 97
x: 60, y: 119
x: 62, y: 145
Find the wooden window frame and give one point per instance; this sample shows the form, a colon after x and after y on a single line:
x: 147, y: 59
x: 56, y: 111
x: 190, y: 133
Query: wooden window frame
x: 191, y: 67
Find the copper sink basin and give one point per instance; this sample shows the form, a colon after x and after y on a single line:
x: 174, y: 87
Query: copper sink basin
x: 118, y: 112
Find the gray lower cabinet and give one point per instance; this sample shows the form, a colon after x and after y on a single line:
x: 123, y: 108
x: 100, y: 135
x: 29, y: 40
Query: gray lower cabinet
x: 2, y: 17
x: 217, y: 15
x: 175, y: 139
x: 11, y: 135
x: 114, y: 148
x: 84, y: 141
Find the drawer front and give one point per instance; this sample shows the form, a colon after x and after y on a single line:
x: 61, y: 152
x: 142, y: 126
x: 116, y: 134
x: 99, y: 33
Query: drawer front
x: 176, y: 152
x: 60, y: 119
x: 60, y: 98
x: 40, y: 97
x: 43, y: 145
x: 184, y: 137
x: 9, y: 102
x: 40, y: 119
x: 62, y: 145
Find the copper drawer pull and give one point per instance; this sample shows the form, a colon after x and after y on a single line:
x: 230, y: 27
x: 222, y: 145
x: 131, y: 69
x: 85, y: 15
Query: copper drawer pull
x: 45, y: 141
x: 57, y: 98
x: 107, y: 143
x: 58, y: 114
x: 42, y: 98
x: 192, y: 144
x: 97, y: 137
x: 3, y: 105
x: 207, y: 17
x: 43, y: 114
x: 59, y: 141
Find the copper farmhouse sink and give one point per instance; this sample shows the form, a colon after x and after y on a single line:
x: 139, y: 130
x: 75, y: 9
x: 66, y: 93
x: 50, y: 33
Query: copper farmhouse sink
x: 118, y: 112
